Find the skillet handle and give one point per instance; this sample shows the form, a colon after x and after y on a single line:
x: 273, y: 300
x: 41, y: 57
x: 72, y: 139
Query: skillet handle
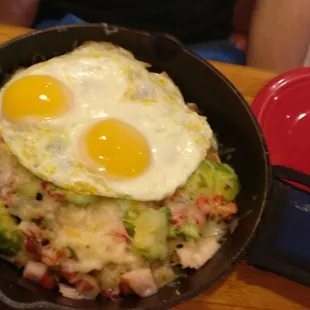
x: 282, y: 172
x: 281, y: 245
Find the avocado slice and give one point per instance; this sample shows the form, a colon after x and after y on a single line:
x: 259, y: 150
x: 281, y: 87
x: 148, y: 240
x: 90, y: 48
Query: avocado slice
x: 151, y: 232
x: 213, y: 179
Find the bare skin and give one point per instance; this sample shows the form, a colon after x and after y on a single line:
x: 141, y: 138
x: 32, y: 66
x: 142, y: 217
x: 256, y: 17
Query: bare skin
x: 280, y: 34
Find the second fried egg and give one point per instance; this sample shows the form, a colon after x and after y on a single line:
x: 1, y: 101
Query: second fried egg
x: 96, y: 121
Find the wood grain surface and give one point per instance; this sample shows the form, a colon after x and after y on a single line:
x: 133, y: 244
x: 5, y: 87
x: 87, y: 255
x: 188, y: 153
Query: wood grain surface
x: 246, y: 287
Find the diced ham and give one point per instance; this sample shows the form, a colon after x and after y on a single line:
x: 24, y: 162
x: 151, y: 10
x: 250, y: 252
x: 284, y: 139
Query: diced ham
x: 195, y: 254
x: 216, y: 206
x: 141, y: 281
x: 34, y: 271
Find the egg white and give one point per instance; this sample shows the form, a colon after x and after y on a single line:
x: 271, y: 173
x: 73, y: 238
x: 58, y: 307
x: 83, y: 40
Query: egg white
x: 108, y: 82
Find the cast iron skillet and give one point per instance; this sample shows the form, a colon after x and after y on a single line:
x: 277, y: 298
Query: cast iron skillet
x: 229, y: 116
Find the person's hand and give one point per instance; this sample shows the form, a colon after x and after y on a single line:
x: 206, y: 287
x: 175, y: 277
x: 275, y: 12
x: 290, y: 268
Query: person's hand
x: 18, y: 12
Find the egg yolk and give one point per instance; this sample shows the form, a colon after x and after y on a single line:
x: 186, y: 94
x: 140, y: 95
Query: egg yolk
x: 39, y: 96
x: 117, y: 149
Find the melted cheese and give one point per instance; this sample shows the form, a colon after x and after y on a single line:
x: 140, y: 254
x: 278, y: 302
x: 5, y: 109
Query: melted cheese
x: 95, y: 235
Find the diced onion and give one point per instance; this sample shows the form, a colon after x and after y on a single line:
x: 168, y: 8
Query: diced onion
x: 34, y: 271
x: 69, y: 292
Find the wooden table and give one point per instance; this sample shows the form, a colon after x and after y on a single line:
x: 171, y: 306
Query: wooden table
x: 246, y: 287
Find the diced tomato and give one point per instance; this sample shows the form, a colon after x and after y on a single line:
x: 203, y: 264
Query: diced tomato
x: 32, y: 246
x: 178, y: 219
x: 44, y: 185
x: 214, y: 156
x: 55, y: 195
x: 48, y: 281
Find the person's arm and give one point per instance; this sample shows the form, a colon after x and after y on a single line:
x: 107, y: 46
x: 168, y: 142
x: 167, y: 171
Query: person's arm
x: 18, y: 12
x: 280, y: 34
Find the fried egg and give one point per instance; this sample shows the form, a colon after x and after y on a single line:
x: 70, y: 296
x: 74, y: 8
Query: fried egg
x: 97, y: 122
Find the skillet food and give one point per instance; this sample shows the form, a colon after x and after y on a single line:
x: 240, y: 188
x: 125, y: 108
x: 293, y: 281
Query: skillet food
x: 109, y: 181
